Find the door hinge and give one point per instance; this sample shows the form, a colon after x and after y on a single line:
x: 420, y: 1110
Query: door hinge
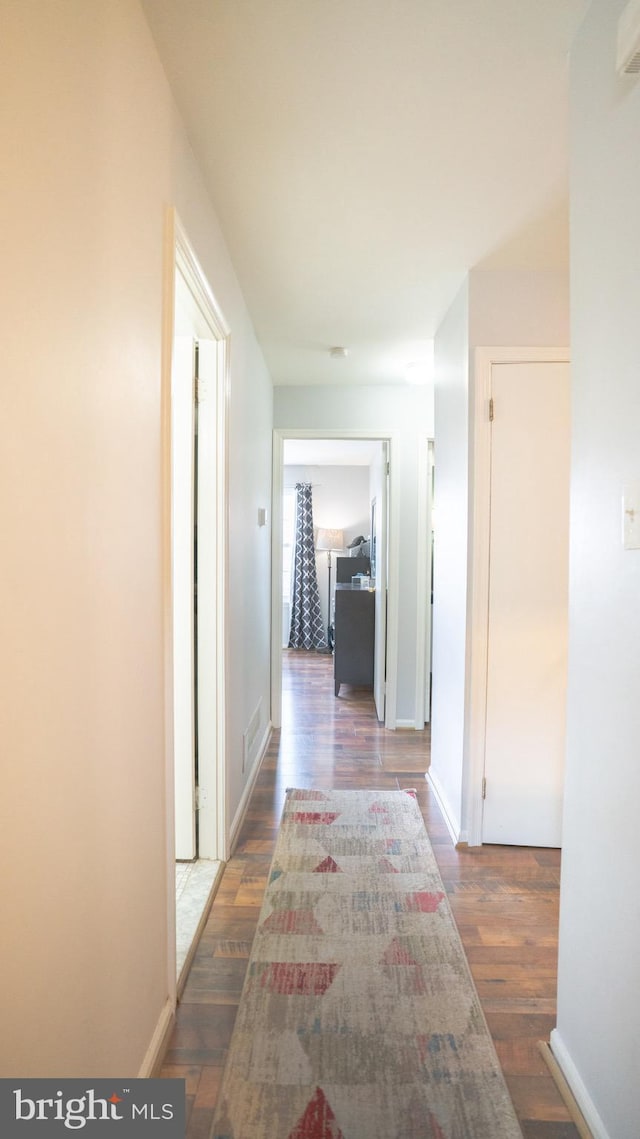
x: 201, y: 798
x: 484, y: 786
x: 200, y: 390
x: 388, y: 468
x: 491, y: 410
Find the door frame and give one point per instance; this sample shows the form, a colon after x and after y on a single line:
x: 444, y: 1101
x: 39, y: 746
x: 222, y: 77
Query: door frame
x: 423, y: 600
x: 184, y: 477
x: 179, y: 256
x: 393, y: 514
x: 483, y: 361
x: 378, y: 540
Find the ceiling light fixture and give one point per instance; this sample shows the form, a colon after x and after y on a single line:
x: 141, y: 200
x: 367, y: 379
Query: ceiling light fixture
x: 338, y: 353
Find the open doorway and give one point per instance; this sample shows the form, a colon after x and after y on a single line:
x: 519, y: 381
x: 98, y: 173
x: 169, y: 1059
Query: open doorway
x: 353, y: 498
x: 198, y: 583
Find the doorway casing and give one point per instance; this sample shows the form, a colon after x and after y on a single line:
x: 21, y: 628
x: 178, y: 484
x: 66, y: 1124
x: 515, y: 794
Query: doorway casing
x: 392, y: 440
x: 423, y: 598
x: 181, y: 259
x: 484, y: 359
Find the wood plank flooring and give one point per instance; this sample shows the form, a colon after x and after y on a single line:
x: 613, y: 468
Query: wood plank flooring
x: 504, y: 899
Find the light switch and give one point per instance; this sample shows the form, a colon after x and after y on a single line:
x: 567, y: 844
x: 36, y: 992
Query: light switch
x: 631, y: 516
x: 262, y: 516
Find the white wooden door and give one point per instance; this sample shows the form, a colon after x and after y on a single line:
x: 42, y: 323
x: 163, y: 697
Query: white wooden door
x: 380, y: 540
x: 528, y: 587
x: 182, y: 530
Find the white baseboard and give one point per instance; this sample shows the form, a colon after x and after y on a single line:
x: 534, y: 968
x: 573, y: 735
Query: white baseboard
x: 578, y: 1089
x: 405, y: 723
x: 155, y: 1052
x: 453, y: 824
x: 246, y: 794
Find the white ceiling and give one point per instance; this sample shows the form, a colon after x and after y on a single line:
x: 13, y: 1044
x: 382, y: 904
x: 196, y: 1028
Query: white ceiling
x: 363, y: 155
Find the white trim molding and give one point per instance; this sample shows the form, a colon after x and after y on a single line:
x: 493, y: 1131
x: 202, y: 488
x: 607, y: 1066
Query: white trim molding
x: 480, y: 391
x: 453, y: 824
x: 393, y: 532
x: 423, y: 585
x: 196, y: 279
x: 238, y: 818
x: 578, y: 1087
x: 276, y: 577
x: 179, y: 257
x: 155, y: 1053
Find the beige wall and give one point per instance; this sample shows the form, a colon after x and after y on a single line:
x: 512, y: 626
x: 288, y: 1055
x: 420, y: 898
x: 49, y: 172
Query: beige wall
x: 519, y: 307
x: 94, y: 153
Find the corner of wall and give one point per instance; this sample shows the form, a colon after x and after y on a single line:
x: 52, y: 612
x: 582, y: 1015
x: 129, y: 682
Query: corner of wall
x: 450, y: 816
x: 578, y: 1089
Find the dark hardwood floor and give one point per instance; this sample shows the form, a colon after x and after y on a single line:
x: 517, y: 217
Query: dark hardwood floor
x: 504, y: 899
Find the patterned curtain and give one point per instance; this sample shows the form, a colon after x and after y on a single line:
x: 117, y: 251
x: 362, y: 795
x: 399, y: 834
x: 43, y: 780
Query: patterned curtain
x: 306, y: 631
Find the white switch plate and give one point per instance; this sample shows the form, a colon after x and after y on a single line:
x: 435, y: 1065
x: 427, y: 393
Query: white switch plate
x: 631, y: 516
x: 262, y: 516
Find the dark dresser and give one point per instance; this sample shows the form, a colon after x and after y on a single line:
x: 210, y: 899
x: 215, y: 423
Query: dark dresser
x: 354, y: 635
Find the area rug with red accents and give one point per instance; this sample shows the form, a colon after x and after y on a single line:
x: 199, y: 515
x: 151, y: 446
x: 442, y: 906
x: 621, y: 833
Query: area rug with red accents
x: 359, y: 1018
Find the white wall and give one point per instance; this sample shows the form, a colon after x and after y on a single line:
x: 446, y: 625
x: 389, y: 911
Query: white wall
x: 451, y: 359
x: 598, y: 1037
x: 340, y: 502
x: 94, y: 152
x: 379, y: 409
x: 494, y: 308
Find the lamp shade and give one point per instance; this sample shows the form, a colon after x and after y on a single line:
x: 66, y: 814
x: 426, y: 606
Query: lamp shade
x: 329, y: 539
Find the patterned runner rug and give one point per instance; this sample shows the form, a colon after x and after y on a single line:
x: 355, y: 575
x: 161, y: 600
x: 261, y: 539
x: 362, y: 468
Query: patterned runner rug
x: 359, y: 1018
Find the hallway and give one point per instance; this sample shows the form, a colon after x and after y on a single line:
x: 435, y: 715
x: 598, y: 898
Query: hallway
x: 504, y: 899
